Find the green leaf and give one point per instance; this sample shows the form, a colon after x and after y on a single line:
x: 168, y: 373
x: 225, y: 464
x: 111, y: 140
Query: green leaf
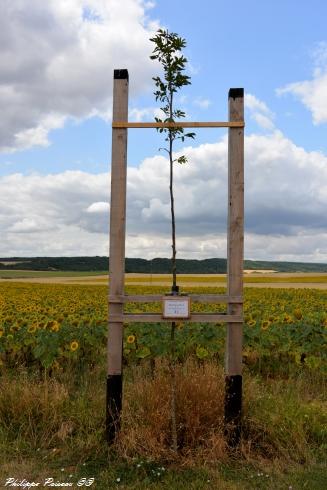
x: 143, y: 352
x: 201, y: 352
x: 39, y: 351
x: 182, y: 159
x: 47, y: 360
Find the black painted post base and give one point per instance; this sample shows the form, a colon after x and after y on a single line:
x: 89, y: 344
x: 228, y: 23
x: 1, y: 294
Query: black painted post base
x: 233, y: 410
x: 113, y: 406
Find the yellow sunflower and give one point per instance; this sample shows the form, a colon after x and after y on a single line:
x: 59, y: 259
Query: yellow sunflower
x: 55, y: 365
x: 1, y: 332
x: 55, y: 327
x: 73, y: 345
x: 298, y: 313
x: 131, y: 339
x: 265, y: 325
x: 32, y: 328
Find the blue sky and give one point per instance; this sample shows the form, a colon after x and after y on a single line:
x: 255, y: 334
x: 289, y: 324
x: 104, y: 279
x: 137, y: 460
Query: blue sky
x: 56, y: 87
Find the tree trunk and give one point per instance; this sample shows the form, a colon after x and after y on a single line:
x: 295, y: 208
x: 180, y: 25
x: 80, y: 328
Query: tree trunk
x: 174, y: 290
x: 173, y: 389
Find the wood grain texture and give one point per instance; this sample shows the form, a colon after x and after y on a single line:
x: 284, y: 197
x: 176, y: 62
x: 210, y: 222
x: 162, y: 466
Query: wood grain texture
x: 235, y: 233
x: 117, y: 224
x: 157, y: 318
x: 179, y: 124
x: 195, y: 298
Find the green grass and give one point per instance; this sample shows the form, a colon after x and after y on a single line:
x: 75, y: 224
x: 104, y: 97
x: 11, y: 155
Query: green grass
x: 17, y: 274
x: 109, y: 474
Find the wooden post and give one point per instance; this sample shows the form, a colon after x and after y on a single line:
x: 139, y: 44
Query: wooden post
x: 117, y: 254
x: 235, y: 240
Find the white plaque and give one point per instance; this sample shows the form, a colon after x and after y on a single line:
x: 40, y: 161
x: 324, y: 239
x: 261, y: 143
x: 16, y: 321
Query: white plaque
x: 176, y: 307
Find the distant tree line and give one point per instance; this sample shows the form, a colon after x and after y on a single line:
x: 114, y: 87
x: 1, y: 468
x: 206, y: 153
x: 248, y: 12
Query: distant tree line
x: 154, y: 266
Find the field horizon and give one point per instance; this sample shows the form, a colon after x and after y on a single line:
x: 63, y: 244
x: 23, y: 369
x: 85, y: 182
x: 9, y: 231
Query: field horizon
x: 253, y: 279
x: 157, y: 265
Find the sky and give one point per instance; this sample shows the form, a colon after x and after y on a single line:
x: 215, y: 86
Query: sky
x: 56, y: 79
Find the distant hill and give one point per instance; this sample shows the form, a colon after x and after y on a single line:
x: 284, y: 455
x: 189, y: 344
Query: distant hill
x: 155, y: 266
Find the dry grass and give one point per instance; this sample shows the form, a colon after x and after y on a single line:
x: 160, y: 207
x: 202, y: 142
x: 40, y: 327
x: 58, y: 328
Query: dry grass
x: 146, y: 424
x: 278, y: 422
x: 64, y: 420
x: 60, y: 416
x: 33, y: 409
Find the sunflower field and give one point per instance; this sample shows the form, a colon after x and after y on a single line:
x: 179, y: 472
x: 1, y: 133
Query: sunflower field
x: 57, y: 326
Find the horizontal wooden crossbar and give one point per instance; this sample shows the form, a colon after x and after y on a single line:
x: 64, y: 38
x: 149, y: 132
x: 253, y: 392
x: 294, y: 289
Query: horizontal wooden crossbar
x: 157, y: 318
x: 195, y: 298
x: 178, y: 124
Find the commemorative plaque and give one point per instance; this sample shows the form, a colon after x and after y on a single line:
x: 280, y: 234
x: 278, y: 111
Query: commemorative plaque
x: 176, y: 307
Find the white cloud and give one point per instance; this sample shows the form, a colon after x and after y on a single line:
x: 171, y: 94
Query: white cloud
x: 38, y: 136
x: 156, y: 210
x: 98, y: 207
x: 259, y: 112
x: 254, y: 104
x: 302, y: 247
x: 26, y: 225
x: 188, y: 246
x: 145, y: 113
x: 285, y: 203
x: 263, y: 121
x: 202, y: 102
x: 57, y: 59
x: 313, y: 93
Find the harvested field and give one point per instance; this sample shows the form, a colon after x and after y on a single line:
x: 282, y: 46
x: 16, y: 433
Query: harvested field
x: 271, y: 280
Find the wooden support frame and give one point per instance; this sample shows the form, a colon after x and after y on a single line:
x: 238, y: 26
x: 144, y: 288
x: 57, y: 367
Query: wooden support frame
x: 212, y: 124
x: 235, y: 237
x: 195, y: 298
x: 158, y: 318
x: 117, y: 254
x: 235, y: 259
